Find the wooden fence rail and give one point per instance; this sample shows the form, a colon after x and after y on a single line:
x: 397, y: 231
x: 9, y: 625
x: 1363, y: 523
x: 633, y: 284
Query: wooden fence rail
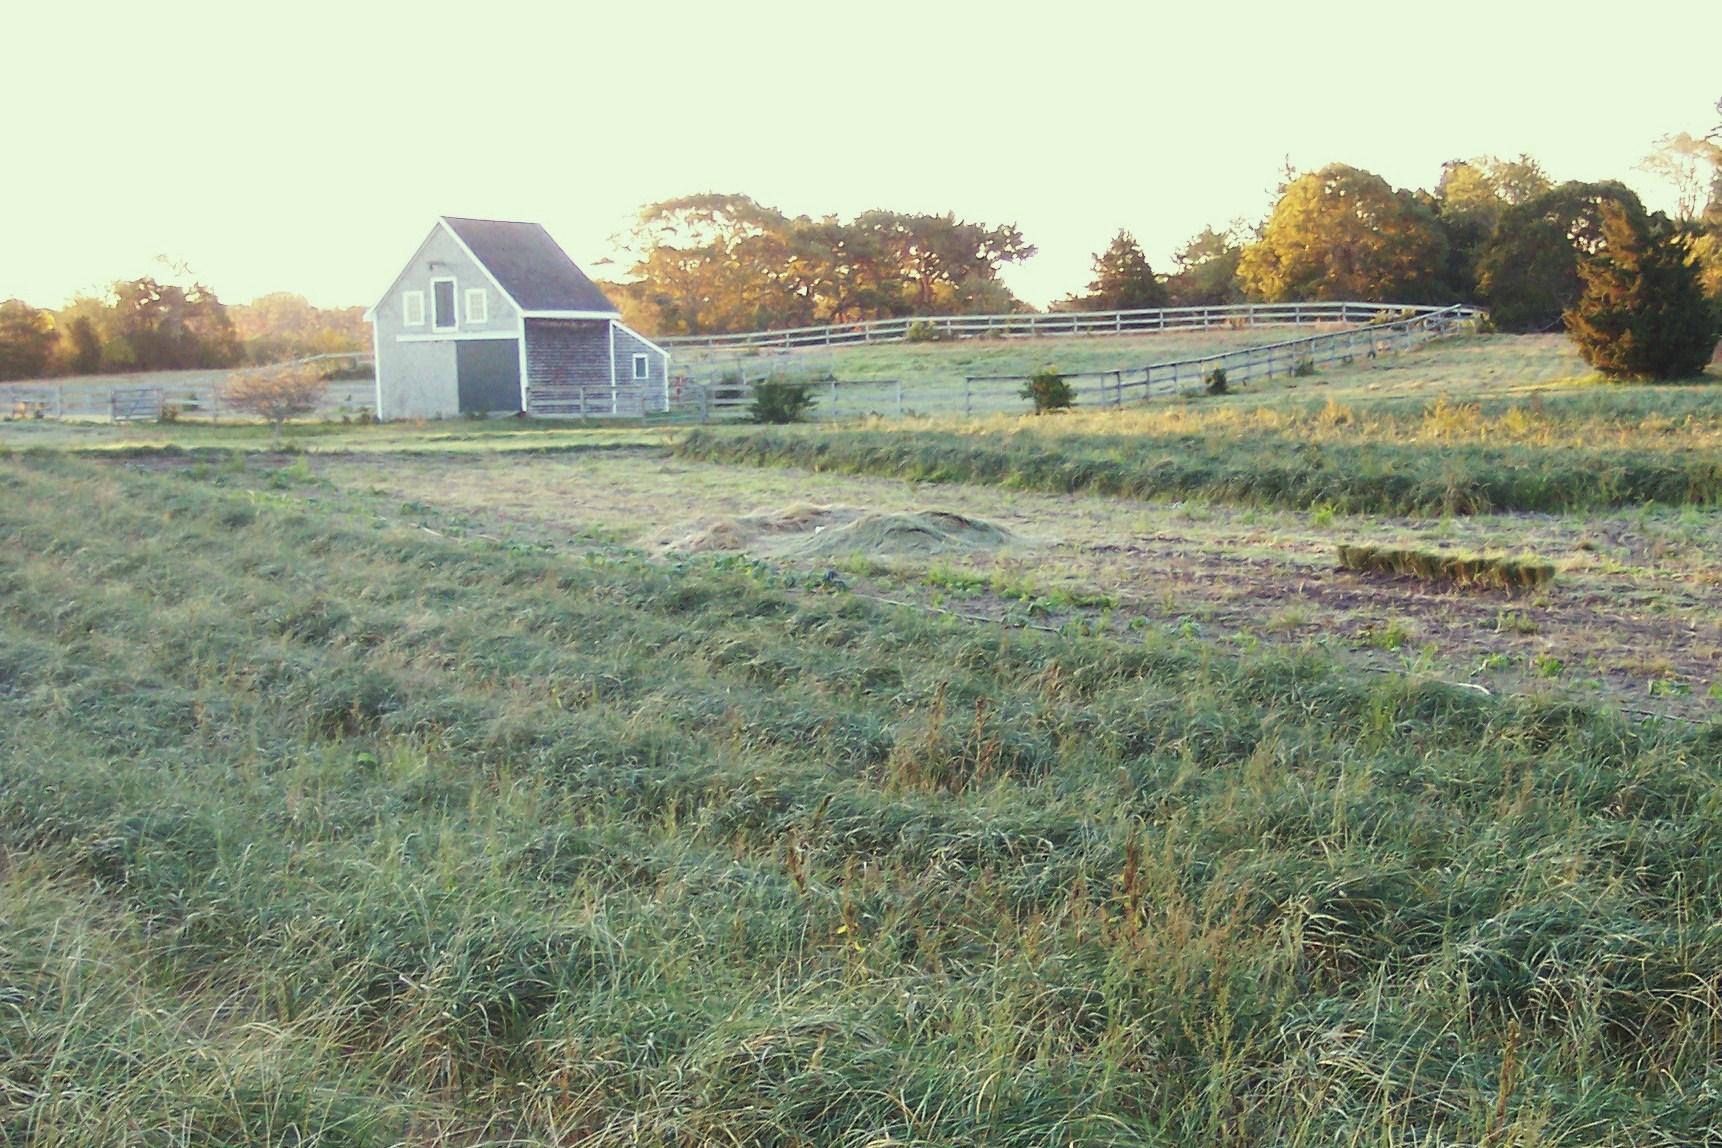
x: 186, y: 394
x: 1116, y: 387
x: 1134, y: 322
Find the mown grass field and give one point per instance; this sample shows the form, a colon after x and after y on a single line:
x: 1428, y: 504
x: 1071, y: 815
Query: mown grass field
x: 1463, y: 426
x: 1634, y: 614
x: 458, y: 783
x: 321, y: 829
x: 920, y: 365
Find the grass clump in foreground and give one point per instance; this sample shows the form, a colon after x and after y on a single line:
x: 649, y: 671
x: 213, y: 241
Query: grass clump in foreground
x: 1499, y: 572
x: 318, y: 830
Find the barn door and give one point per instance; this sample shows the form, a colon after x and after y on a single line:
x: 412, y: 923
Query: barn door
x: 487, y: 375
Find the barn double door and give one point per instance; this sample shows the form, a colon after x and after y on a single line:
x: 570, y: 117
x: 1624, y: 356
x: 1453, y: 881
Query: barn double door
x: 487, y: 375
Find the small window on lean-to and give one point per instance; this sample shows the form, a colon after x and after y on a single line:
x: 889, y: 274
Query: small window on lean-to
x: 413, y: 308
x: 442, y: 305
x: 642, y: 370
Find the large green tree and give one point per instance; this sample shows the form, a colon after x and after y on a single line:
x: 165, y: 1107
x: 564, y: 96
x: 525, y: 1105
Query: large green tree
x: 715, y: 263
x: 27, y: 340
x: 1345, y: 233
x: 282, y: 325
x: 1471, y: 198
x: 163, y: 326
x: 1123, y: 279
x: 1206, y: 272
x: 1528, y: 273
x: 1640, y: 312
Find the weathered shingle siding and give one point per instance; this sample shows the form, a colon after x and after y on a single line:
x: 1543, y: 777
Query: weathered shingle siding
x: 650, y: 392
x: 568, y: 367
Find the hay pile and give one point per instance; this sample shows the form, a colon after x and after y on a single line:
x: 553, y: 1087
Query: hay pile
x: 749, y: 531
x: 809, y: 531
x: 907, y: 534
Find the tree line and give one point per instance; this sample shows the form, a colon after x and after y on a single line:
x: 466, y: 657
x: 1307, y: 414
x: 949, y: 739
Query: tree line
x: 147, y: 324
x: 1495, y: 232
x: 714, y: 263
x: 1500, y: 233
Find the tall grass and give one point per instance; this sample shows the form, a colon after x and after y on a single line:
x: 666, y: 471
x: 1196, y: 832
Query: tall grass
x: 315, y: 830
x: 1442, y: 459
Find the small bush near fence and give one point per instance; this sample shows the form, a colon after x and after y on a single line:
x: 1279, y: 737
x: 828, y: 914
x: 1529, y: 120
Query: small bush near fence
x: 1460, y: 569
x: 351, y: 373
x: 778, y: 402
x: 921, y: 331
x: 275, y: 396
x: 1049, y: 391
x: 1216, y: 384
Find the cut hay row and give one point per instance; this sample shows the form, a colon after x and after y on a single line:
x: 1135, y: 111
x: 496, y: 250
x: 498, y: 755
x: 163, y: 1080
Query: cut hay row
x: 1245, y: 466
x: 1500, y: 572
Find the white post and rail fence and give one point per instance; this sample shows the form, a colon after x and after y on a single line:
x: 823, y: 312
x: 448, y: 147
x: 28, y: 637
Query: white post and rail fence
x: 728, y: 390
x: 715, y: 374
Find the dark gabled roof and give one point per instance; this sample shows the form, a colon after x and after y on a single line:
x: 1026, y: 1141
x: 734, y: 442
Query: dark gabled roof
x: 528, y: 264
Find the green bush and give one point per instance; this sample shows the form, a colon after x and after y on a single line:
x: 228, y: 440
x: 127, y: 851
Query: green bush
x: 1049, y: 391
x: 1303, y: 369
x: 923, y: 331
x: 777, y: 402
x: 1642, y: 313
x: 1215, y: 382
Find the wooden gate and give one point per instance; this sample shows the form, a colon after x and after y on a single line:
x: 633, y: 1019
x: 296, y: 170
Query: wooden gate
x: 135, y: 404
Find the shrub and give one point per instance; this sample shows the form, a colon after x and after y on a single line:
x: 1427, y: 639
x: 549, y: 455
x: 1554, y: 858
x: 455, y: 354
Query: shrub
x: 1215, y: 382
x: 1303, y: 369
x: 1642, y: 313
x: 276, y: 395
x: 1049, y: 391
x: 778, y: 402
x: 923, y: 331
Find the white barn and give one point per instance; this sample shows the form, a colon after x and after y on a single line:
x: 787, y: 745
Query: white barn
x: 491, y: 316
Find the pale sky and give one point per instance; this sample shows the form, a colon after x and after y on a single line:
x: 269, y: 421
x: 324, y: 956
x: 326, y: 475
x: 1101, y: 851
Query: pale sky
x: 309, y: 147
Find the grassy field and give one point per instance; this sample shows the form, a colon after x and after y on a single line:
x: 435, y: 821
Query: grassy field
x: 451, y: 436
x: 503, y: 783
x: 1634, y: 614
x: 920, y: 364
x: 423, y: 839
x: 1462, y: 426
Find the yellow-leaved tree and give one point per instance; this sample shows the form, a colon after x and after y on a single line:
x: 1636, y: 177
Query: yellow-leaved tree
x: 1345, y: 233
